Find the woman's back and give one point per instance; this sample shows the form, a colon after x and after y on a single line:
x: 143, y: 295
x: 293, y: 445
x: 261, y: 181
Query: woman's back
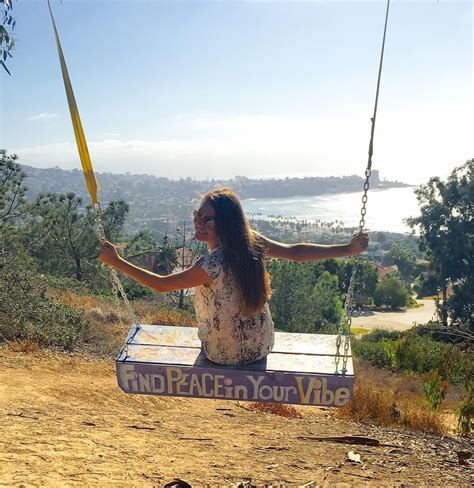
x: 227, y: 335
x: 232, y: 284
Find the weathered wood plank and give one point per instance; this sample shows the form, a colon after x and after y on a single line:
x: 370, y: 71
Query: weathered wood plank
x: 165, y: 360
x: 192, y: 356
x: 285, y: 342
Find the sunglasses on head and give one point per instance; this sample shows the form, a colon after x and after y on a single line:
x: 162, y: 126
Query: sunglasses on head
x: 207, y: 220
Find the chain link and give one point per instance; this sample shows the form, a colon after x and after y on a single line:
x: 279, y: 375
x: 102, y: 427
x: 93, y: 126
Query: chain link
x: 117, y: 286
x: 346, y: 322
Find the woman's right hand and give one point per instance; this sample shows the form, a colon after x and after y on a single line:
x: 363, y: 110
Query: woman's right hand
x: 358, y: 243
x: 108, y: 253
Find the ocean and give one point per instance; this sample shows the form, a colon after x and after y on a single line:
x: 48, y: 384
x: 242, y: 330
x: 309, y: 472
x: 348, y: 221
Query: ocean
x: 386, y: 208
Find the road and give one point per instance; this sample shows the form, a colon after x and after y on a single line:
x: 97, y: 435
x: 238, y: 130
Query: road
x: 402, y: 320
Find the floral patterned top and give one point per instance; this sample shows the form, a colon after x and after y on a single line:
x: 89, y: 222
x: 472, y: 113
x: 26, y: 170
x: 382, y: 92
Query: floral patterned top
x: 226, y: 335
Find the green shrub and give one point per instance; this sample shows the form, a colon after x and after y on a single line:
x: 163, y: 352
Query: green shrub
x: 377, y: 353
x: 435, y: 389
x: 414, y: 353
x: 378, y: 335
x: 417, y: 354
x: 56, y: 325
x: 448, y: 335
x: 391, y: 292
x: 135, y: 290
x: 466, y: 414
x: 66, y: 284
x: 26, y: 311
x: 425, y: 285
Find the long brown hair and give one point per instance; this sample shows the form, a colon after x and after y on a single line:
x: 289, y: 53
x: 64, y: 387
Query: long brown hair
x: 243, y: 249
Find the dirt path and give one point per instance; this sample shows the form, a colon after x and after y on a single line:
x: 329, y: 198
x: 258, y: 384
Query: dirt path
x: 402, y: 320
x: 66, y: 424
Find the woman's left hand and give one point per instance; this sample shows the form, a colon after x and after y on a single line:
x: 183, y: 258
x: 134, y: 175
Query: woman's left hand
x: 108, y: 253
x: 358, y: 243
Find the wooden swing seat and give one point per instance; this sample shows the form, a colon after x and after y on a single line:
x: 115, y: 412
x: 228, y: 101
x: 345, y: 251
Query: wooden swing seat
x: 302, y: 369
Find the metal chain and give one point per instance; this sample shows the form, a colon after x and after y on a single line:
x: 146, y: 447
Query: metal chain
x: 117, y: 286
x: 346, y: 322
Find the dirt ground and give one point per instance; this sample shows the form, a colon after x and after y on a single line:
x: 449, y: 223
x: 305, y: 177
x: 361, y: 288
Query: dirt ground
x: 65, y: 423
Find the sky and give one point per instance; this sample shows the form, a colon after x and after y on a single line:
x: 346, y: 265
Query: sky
x: 216, y: 89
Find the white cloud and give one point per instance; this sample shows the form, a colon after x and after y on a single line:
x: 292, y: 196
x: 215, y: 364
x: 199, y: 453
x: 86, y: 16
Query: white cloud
x: 43, y: 116
x: 408, y: 148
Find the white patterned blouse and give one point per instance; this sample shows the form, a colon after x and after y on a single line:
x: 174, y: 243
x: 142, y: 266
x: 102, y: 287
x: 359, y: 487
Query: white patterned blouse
x: 226, y: 335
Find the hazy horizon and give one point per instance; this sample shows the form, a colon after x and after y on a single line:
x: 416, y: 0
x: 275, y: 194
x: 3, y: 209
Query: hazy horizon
x: 262, y: 177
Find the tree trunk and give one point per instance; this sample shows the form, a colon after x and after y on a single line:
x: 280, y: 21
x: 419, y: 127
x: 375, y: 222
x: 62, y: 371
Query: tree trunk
x: 444, y: 310
x: 77, y: 262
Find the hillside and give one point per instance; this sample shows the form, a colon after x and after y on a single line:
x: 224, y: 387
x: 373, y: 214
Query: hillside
x: 66, y: 423
x: 157, y: 198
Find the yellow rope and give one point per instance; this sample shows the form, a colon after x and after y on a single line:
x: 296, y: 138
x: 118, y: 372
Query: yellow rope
x: 87, y: 169
x: 89, y: 175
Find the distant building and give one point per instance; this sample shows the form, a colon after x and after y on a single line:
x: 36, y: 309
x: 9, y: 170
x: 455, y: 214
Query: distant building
x: 383, y: 271
x: 375, y: 177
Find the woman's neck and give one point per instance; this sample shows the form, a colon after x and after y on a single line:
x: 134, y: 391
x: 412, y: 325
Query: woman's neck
x: 213, y: 245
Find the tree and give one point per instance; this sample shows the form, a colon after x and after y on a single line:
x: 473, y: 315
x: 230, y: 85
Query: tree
x: 405, y: 260
x: 391, y: 292
x: 71, y: 245
x: 182, y: 255
x: 6, y: 38
x: 446, y: 227
x: 14, y: 209
x: 143, y: 251
x: 305, y: 296
x: 113, y: 219
x: 12, y: 188
x: 326, y: 306
x: 425, y: 284
x: 71, y: 238
x: 168, y: 259
x: 141, y: 242
x: 366, y: 280
x: 291, y: 291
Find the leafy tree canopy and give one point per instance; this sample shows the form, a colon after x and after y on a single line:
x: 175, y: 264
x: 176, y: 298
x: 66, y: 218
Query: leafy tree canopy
x: 405, y: 260
x: 446, y: 227
x: 70, y: 245
x: 12, y: 188
x: 308, y: 297
x: 7, y: 42
x: 391, y: 292
x: 14, y: 210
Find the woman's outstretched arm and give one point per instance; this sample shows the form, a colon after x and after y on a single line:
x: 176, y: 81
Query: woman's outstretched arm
x: 189, y: 278
x: 314, y: 252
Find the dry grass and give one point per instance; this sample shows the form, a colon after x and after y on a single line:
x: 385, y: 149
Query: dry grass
x: 27, y: 346
x: 151, y: 314
x: 421, y: 418
x: 109, y: 320
x: 377, y: 405
x: 279, y: 409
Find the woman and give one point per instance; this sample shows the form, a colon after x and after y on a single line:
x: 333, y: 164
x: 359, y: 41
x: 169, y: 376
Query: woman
x: 232, y: 284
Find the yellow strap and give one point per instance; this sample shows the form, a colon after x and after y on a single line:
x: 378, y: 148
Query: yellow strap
x: 89, y: 175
